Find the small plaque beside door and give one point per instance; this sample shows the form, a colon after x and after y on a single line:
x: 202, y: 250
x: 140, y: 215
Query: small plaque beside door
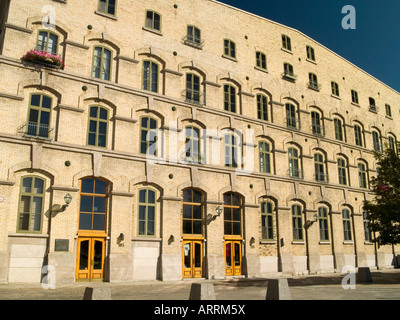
x: 61, y: 245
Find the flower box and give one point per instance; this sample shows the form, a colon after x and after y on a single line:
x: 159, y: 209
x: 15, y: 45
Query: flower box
x: 44, y: 58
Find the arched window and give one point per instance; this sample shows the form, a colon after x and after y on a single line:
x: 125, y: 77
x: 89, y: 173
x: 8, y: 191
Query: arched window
x: 98, y: 126
x: 192, y: 212
x: 31, y: 204
x: 297, y: 223
x: 392, y: 142
x: 267, y: 221
x: 323, y: 224
x: 39, y: 116
x: 93, y: 205
x: 232, y: 214
x: 147, y: 212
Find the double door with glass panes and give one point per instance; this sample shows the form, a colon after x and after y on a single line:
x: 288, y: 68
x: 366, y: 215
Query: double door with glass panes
x: 192, y: 259
x: 233, y: 258
x: 90, y: 259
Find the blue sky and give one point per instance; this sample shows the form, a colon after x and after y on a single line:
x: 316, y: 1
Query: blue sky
x: 374, y: 45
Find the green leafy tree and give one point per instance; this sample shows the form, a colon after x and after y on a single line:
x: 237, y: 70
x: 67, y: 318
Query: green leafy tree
x: 384, y: 209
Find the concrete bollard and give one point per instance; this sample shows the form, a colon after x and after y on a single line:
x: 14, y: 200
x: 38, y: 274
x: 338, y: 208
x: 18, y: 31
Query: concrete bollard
x: 364, y: 275
x: 97, y: 294
x: 278, y: 289
x: 202, y: 291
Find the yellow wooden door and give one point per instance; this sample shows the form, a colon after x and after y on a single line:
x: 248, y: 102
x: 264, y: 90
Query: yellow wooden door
x: 233, y: 258
x: 90, y: 259
x: 192, y: 257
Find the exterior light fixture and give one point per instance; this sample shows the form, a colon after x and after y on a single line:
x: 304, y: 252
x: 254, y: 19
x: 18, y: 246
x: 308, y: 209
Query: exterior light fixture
x: 219, y: 210
x: 67, y: 199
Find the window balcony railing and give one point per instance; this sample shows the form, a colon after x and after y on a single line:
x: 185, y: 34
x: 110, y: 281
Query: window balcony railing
x: 36, y: 130
x: 289, y: 75
x: 193, y: 96
x: 321, y: 177
x: 314, y: 86
x: 318, y: 130
x: 295, y: 173
x: 193, y: 159
x: 293, y: 123
x: 373, y: 108
x: 193, y: 41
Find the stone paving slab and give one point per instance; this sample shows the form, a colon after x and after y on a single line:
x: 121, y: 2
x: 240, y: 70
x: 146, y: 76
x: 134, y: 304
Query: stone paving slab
x: 385, y: 286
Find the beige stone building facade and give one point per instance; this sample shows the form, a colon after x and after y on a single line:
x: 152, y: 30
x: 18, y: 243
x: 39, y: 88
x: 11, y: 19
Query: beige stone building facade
x: 181, y: 139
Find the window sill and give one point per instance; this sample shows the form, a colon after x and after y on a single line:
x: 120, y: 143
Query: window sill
x: 229, y: 58
x: 311, y: 61
x: 286, y: 50
x: 157, y: 32
x: 325, y: 243
x: 298, y: 242
x: 267, y: 242
x: 335, y: 96
x: 28, y: 234
x: 261, y: 69
x: 106, y: 15
x: 348, y: 242
x: 355, y: 104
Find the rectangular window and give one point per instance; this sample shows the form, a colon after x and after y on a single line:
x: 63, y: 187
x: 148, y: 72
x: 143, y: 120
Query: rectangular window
x: 388, y: 110
x: 267, y: 221
x: 335, y: 89
x: 107, y: 6
x: 153, y: 20
x: 358, y: 135
x: 39, y: 116
x: 31, y: 204
x: 294, y: 169
x: 192, y: 144
x: 192, y: 88
x: 148, y: 136
x: 342, y: 171
x: 193, y: 36
x: 338, y: 129
x: 98, y: 126
x: 310, y: 53
x: 47, y: 42
x: 265, y: 157
x: 231, y: 155
x: 323, y: 224
x: 297, y: 223
x: 229, y: 98
x: 232, y: 214
x: 261, y: 60
x: 147, y: 212
x: 286, y: 42
x: 362, y: 175
x: 150, y: 76
x: 262, y: 107
x: 347, y: 225
x: 291, y: 121
x: 101, y: 68
x: 354, y: 96
x: 367, y: 231
x: 316, y: 123
x: 229, y: 48
x: 313, y: 82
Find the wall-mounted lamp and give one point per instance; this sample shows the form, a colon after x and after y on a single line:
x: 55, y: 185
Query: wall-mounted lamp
x: 56, y: 208
x: 219, y: 210
x: 309, y: 223
x: 171, y: 239
x: 121, y: 237
x: 252, y: 241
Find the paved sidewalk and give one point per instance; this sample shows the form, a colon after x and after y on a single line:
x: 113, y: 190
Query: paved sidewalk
x: 385, y: 286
